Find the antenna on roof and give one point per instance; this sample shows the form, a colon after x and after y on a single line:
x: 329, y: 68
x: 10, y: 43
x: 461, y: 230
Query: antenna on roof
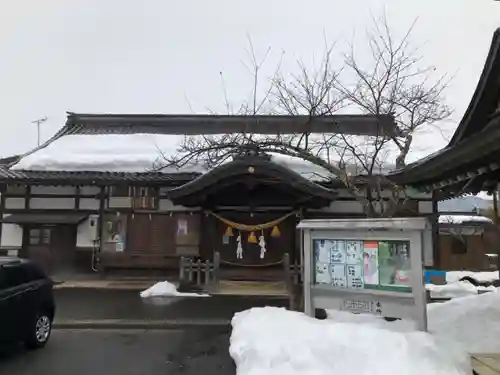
x: 38, y: 122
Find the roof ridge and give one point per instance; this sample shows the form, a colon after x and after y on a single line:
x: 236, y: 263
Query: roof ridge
x: 66, y: 129
x: 492, y: 60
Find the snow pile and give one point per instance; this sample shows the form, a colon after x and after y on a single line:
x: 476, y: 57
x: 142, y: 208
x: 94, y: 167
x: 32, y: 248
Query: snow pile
x: 472, y: 322
x: 454, y: 276
x: 166, y: 289
x: 457, y: 289
x: 460, y: 219
x: 272, y: 340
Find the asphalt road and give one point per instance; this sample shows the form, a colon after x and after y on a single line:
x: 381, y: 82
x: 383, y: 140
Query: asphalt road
x: 138, y: 352
x: 82, y: 304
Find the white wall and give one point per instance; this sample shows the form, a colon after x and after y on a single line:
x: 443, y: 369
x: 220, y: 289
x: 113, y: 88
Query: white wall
x: 53, y: 190
x: 89, y: 204
x: 90, y: 190
x: 167, y: 205
x: 84, y: 233
x: 12, y: 235
x: 15, y: 203
x: 52, y: 203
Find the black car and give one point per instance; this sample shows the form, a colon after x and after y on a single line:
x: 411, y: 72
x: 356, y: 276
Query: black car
x: 26, y: 303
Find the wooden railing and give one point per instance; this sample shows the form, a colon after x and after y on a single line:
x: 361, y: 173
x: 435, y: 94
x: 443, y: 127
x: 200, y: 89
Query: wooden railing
x: 204, y: 273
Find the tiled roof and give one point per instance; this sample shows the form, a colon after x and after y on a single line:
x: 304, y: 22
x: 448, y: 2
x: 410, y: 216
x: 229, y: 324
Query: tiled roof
x: 226, y: 124
x: 97, y: 178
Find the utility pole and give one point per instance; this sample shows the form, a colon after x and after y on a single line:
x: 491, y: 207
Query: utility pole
x: 38, y: 122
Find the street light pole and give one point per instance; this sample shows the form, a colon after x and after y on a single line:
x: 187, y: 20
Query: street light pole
x: 38, y: 122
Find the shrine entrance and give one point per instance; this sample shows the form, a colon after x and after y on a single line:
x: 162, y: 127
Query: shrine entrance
x: 252, y: 206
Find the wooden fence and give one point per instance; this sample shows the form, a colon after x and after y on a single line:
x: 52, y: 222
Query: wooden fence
x: 204, y: 273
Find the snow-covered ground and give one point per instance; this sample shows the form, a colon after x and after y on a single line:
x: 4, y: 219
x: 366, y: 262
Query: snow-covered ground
x: 167, y: 289
x: 457, y: 289
x: 270, y: 340
x: 454, y: 276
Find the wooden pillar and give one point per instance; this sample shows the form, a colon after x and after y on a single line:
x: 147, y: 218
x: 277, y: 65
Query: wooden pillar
x: 435, y: 232
x: 496, y: 220
x: 77, y: 198
x: 3, y: 189
x: 100, y: 219
x: 495, y: 207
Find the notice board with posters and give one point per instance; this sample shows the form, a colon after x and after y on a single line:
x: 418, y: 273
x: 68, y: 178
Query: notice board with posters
x: 370, y: 266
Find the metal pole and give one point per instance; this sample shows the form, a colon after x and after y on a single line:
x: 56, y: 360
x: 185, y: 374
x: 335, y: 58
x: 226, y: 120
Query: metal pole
x: 38, y: 122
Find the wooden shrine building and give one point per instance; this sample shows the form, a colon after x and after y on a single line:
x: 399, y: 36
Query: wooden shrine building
x: 470, y: 163
x: 88, y: 198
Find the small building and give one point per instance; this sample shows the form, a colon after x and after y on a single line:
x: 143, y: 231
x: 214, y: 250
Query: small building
x: 467, y: 242
x: 89, y: 198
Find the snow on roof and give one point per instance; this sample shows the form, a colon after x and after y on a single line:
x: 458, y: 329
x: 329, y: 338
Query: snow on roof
x: 130, y: 153
x: 460, y: 219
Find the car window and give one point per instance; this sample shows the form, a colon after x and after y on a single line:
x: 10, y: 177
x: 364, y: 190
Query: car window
x: 14, y: 275
x: 33, y: 272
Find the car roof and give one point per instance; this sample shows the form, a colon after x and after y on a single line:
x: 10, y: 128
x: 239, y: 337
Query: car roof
x: 4, y: 260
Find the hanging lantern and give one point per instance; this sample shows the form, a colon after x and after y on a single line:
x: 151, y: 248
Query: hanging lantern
x: 229, y: 232
x: 275, y: 232
x: 252, y: 238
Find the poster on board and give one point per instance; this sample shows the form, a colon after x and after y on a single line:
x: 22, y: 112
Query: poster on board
x: 182, y: 227
x: 359, y: 264
x: 370, y: 263
x: 337, y: 251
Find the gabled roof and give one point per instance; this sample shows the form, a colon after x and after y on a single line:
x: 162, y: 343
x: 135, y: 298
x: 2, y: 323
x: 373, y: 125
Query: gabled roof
x: 474, y: 146
x: 73, y: 154
x: 486, y: 98
x: 247, y: 165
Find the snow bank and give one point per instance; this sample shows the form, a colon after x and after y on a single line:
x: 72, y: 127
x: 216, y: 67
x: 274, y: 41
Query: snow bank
x: 454, y: 276
x: 460, y: 219
x: 271, y: 340
x: 472, y: 322
x: 166, y: 289
x: 456, y: 289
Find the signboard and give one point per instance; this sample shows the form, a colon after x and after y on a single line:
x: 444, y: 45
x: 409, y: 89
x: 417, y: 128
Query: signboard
x: 363, y: 264
x: 366, y: 266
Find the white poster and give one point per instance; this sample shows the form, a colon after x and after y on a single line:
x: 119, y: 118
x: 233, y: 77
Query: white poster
x: 370, y: 263
x: 337, y: 251
x: 323, y: 251
x: 354, y: 252
x: 182, y: 227
x: 338, y: 273
x: 323, y: 273
x: 354, y: 276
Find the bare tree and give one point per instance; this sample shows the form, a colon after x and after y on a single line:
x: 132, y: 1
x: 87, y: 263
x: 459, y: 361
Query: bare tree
x: 393, y: 85
x: 394, y: 82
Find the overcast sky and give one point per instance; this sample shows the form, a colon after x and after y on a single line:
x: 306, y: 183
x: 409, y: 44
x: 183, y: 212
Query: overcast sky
x: 160, y: 56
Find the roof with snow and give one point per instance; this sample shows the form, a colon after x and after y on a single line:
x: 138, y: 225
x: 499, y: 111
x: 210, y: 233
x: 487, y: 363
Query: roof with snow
x: 109, y: 148
x: 464, y: 219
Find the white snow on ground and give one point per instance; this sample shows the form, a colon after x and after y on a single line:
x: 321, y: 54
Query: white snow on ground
x: 274, y: 341
x: 454, y: 276
x: 456, y: 289
x: 166, y: 289
x: 460, y: 219
x: 472, y: 322
x: 270, y: 340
